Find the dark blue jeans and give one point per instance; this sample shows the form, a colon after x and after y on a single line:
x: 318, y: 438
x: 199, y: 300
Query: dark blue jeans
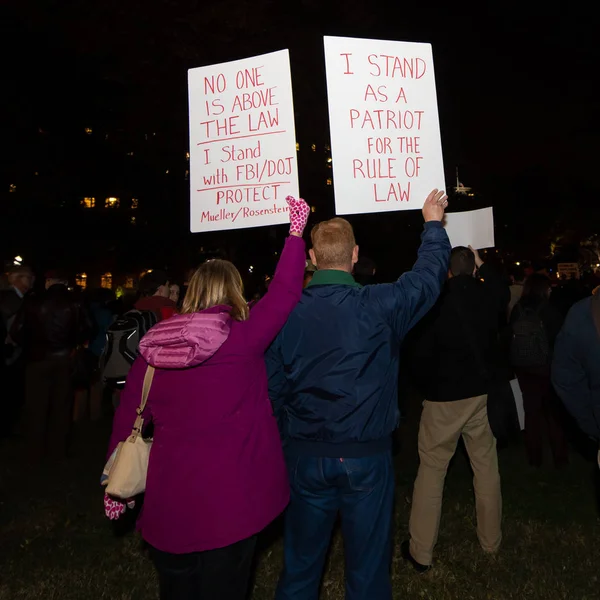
x: 362, y: 491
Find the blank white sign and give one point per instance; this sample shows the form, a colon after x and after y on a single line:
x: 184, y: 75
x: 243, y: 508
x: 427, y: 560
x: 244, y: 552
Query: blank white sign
x: 471, y: 228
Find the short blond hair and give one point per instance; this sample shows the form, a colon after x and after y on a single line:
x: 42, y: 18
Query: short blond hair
x: 216, y: 282
x: 333, y: 243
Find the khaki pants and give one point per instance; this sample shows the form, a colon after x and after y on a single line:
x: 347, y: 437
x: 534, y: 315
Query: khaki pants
x: 442, y: 424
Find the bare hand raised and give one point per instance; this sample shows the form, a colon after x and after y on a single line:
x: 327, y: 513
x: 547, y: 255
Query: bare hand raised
x: 435, y: 205
x: 478, y: 260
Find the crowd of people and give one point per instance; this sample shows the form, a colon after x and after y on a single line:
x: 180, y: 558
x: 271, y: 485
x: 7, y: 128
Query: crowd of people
x: 288, y: 404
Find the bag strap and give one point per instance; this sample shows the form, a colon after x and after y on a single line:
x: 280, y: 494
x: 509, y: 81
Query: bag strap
x: 139, y: 421
x: 596, y: 312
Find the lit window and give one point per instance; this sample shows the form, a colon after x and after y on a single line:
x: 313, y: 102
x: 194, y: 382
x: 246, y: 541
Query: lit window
x: 111, y: 203
x: 167, y: 172
x: 88, y: 202
x: 314, y: 147
x: 187, y: 175
x: 88, y: 130
x: 132, y: 220
x: 106, y: 281
x: 81, y: 280
x: 36, y: 173
x: 134, y: 203
x: 327, y: 148
x: 297, y: 147
x: 313, y: 209
x: 130, y: 154
x: 187, y: 156
x: 330, y: 181
x: 12, y: 188
x: 128, y: 283
x: 329, y: 160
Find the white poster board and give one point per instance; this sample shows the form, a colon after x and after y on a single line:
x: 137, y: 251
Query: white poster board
x: 385, y: 132
x: 471, y: 228
x: 242, y: 143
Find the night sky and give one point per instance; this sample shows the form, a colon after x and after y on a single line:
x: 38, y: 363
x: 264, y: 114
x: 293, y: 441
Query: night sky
x: 514, y: 83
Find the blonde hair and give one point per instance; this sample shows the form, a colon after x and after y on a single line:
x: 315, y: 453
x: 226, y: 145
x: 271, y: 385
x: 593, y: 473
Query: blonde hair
x: 333, y: 243
x: 216, y: 282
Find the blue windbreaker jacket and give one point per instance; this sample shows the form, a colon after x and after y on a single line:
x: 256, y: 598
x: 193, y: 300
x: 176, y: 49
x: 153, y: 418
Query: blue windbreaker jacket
x: 333, y: 369
x: 576, y: 367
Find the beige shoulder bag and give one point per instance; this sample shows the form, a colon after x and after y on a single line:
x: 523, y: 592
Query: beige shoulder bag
x: 127, y: 468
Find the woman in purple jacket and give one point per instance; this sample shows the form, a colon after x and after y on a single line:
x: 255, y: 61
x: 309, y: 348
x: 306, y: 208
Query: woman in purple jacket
x: 216, y: 475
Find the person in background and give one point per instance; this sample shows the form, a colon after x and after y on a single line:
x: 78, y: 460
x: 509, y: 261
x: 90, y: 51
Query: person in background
x: 155, y: 294
x: 102, y: 317
x: 216, y: 475
x: 541, y: 405
x: 20, y: 281
x: 333, y: 378
x: 516, y: 289
x: 174, y: 293
x: 309, y: 271
x: 455, y: 354
x: 50, y: 327
x: 364, y: 271
x: 576, y: 366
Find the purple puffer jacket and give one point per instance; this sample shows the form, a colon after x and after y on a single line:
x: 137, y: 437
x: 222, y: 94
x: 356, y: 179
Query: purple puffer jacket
x: 216, y: 473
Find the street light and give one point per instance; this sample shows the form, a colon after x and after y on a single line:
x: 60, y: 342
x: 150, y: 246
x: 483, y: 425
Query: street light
x: 18, y: 261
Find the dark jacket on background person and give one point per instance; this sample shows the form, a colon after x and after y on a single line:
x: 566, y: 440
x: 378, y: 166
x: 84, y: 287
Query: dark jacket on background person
x: 456, y: 347
x: 50, y: 324
x: 550, y: 316
x: 333, y: 369
x: 576, y: 366
x: 10, y: 303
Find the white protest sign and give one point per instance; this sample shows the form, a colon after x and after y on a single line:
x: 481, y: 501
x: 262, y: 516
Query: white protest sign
x: 385, y: 133
x: 518, y: 396
x: 471, y: 228
x: 568, y: 270
x: 242, y: 143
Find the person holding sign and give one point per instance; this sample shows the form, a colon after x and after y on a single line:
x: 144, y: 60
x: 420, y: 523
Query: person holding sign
x: 216, y: 473
x: 333, y: 381
x: 455, y: 362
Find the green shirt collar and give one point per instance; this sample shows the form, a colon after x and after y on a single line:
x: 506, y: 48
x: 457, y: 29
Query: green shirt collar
x: 332, y: 277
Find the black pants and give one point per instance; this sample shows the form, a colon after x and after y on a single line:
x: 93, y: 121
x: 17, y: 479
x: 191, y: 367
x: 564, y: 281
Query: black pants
x: 220, y: 574
x: 12, y: 382
x: 48, y: 406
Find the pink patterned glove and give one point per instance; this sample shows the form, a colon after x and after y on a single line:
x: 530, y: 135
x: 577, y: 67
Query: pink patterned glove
x: 299, y: 212
x: 113, y: 509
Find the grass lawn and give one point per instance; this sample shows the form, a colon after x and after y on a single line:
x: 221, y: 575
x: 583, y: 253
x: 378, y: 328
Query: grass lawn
x: 55, y: 543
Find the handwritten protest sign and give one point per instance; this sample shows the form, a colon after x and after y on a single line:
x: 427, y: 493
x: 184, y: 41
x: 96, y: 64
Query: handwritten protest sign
x: 242, y: 143
x: 568, y: 270
x: 385, y: 133
x: 473, y: 227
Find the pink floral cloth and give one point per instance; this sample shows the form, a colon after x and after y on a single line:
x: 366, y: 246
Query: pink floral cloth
x: 299, y: 212
x: 115, y: 508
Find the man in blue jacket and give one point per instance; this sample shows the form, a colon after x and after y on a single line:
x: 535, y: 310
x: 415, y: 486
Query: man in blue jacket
x: 576, y: 366
x: 333, y: 373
